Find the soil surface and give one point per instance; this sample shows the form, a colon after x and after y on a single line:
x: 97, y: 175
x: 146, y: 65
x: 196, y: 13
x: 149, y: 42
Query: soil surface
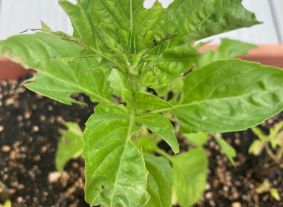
x: 29, y: 132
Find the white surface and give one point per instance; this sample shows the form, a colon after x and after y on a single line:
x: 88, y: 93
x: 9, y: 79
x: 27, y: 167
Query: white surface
x: 149, y: 3
x: 278, y: 9
x: 19, y: 15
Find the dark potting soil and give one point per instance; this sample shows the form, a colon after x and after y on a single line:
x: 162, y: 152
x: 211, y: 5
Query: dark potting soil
x: 29, y: 132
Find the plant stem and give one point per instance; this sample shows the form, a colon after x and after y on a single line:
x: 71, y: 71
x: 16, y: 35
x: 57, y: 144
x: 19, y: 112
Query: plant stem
x: 164, y: 154
x: 279, y: 153
x: 270, y: 153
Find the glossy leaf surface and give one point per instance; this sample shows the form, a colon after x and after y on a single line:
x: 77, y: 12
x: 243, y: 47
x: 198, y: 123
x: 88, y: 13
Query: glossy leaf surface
x: 230, y: 96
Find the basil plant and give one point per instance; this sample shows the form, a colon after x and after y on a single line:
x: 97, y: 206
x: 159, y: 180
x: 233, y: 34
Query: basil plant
x: 151, y: 84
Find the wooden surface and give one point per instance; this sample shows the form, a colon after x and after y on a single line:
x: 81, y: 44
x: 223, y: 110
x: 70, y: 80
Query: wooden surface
x: 19, y: 15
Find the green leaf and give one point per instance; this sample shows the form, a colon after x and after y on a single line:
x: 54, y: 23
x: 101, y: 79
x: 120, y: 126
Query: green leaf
x: 36, y: 50
x: 230, y: 96
x: 198, y: 139
x: 160, y: 181
x: 256, y: 147
x: 148, y: 143
x: 145, y: 101
x: 145, y: 24
x: 70, y: 145
x: 7, y: 203
x: 260, y: 135
x: 275, y: 194
x: 227, y: 149
x: 274, y: 133
x: 116, y: 25
x: 128, y: 25
x: 190, y: 174
x: 110, y: 22
x: 162, y: 127
x: 178, y: 59
x: 201, y: 18
x: 115, y: 169
x: 61, y: 71
x: 45, y: 27
x: 116, y: 82
x: 81, y: 22
x: 227, y: 50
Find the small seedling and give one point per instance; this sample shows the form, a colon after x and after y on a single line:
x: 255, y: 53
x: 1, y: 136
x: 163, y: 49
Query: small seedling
x: 70, y: 145
x: 143, y: 68
x: 266, y: 187
x: 7, y: 204
x: 200, y: 139
x: 271, y: 143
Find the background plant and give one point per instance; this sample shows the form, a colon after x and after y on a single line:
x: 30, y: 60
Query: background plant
x: 144, y: 69
x: 272, y: 143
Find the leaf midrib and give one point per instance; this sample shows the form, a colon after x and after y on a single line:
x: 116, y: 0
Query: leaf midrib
x: 128, y: 138
x: 208, y: 100
x: 83, y: 89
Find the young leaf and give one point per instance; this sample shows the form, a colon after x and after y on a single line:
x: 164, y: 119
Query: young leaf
x: 274, y: 133
x: 115, y: 169
x: 275, y: 194
x: 56, y: 77
x: 82, y: 25
x: 70, y: 145
x: 146, y: 24
x: 260, y: 135
x: 7, y: 203
x: 45, y: 27
x: 162, y: 127
x: 148, y: 143
x: 264, y: 187
x: 230, y: 96
x: 190, y: 174
x: 227, y: 149
x: 256, y: 147
x: 178, y: 59
x: 198, y: 139
x: 201, y: 18
x: 116, y: 82
x: 160, y: 180
x: 145, y: 101
x: 227, y: 50
x: 116, y: 25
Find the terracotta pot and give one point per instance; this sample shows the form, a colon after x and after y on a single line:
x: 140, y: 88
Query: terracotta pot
x: 265, y: 54
x: 10, y: 70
